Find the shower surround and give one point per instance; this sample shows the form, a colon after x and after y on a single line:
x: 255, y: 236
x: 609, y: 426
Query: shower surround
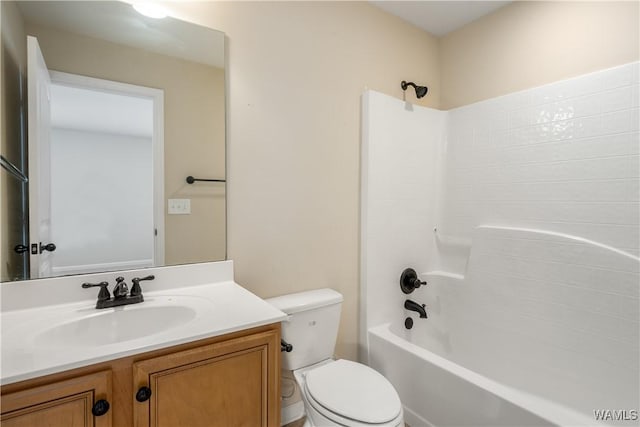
x: 522, y: 213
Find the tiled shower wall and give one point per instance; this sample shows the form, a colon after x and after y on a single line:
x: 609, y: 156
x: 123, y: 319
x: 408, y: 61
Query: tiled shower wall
x: 533, y: 267
x: 562, y: 157
x: 400, y: 150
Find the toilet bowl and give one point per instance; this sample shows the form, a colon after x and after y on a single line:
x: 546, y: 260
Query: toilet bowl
x: 345, y: 393
x: 334, y: 392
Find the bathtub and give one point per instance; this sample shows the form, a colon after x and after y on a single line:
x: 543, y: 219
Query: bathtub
x: 438, y: 392
x: 542, y: 329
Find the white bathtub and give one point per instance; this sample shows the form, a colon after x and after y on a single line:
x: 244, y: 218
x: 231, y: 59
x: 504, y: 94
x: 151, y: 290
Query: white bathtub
x: 438, y: 392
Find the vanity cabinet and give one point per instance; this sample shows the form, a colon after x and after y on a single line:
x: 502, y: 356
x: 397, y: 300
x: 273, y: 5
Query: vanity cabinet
x: 62, y: 403
x: 224, y: 384
x: 230, y: 380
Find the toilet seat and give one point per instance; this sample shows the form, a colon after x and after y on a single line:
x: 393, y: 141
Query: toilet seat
x: 352, y: 394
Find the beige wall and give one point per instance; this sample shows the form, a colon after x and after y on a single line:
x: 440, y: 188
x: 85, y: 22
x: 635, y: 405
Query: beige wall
x: 194, y: 130
x: 13, y: 71
x: 528, y: 44
x: 296, y: 73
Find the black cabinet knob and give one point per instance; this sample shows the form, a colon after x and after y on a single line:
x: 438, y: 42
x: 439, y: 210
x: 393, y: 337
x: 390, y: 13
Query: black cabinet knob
x: 143, y: 394
x: 100, y: 408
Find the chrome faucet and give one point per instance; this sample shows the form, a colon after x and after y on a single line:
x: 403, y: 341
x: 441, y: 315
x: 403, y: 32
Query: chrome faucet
x: 120, y: 292
x: 414, y: 306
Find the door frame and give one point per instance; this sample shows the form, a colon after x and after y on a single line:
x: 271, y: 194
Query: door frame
x: 157, y: 140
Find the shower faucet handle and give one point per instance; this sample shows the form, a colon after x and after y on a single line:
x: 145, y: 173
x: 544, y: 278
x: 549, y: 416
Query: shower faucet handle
x: 409, y: 281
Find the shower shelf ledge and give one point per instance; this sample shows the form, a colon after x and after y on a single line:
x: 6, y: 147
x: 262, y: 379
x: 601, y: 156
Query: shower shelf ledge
x: 440, y: 273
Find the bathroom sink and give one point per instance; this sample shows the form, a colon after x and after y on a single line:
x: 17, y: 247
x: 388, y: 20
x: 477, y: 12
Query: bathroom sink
x: 110, y: 326
x: 45, y: 339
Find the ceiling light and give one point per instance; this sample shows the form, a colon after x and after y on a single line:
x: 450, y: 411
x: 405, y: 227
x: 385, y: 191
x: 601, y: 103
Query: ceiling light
x: 150, y: 9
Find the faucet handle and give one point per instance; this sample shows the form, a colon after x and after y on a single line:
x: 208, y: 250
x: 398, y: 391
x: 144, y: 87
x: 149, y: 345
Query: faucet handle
x: 140, y: 279
x: 135, y: 288
x: 409, y: 281
x: 104, y: 292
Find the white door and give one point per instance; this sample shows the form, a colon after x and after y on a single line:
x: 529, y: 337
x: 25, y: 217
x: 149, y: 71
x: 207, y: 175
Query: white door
x: 39, y: 125
x: 106, y: 145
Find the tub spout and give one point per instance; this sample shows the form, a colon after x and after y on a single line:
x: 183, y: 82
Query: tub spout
x: 414, y: 306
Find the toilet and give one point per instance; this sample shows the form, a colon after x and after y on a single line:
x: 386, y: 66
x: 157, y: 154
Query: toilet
x: 334, y: 392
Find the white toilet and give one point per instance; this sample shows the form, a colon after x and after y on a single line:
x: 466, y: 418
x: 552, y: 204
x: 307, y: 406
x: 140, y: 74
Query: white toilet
x: 334, y: 392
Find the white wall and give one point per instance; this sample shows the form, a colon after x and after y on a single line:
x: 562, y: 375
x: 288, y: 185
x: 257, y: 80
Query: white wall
x: 102, y: 200
x: 401, y: 145
x: 562, y: 158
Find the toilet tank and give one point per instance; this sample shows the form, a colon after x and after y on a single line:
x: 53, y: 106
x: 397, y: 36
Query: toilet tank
x: 312, y: 326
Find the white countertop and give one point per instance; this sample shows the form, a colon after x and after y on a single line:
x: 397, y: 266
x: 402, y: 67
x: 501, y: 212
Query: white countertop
x: 29, y: 351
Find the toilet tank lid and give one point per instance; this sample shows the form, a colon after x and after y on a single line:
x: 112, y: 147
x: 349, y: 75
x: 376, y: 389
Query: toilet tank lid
x: 301, y: 301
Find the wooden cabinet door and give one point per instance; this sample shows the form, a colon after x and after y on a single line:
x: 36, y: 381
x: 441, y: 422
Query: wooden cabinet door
x: 226, y: 384
x: 61, y: 404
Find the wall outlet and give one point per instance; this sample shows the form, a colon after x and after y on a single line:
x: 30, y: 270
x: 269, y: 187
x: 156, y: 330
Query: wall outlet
x: 179, y: 206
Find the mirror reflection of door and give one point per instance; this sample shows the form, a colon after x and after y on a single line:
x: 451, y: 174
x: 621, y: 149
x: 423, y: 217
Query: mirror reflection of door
x: 39, y: 119
x: 103, y: 168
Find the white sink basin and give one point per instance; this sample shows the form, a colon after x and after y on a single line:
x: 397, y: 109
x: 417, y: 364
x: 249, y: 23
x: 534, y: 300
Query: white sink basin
x: 115, y: 325
x: 45, y: 339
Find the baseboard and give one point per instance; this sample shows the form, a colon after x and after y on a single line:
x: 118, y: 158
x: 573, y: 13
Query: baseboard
x: 292, y: 413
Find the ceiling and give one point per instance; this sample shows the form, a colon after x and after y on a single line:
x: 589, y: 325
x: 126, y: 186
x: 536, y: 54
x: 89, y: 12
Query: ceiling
x: 439, y: 17
x: 118, y: 22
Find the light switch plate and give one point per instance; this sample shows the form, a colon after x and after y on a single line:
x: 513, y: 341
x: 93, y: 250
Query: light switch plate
x: 179, y: 206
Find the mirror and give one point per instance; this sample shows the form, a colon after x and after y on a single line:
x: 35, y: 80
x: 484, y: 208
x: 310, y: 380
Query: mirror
x: 99, y: 183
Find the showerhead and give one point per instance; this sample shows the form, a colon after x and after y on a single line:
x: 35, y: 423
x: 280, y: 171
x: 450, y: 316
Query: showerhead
x: 420, y: 90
